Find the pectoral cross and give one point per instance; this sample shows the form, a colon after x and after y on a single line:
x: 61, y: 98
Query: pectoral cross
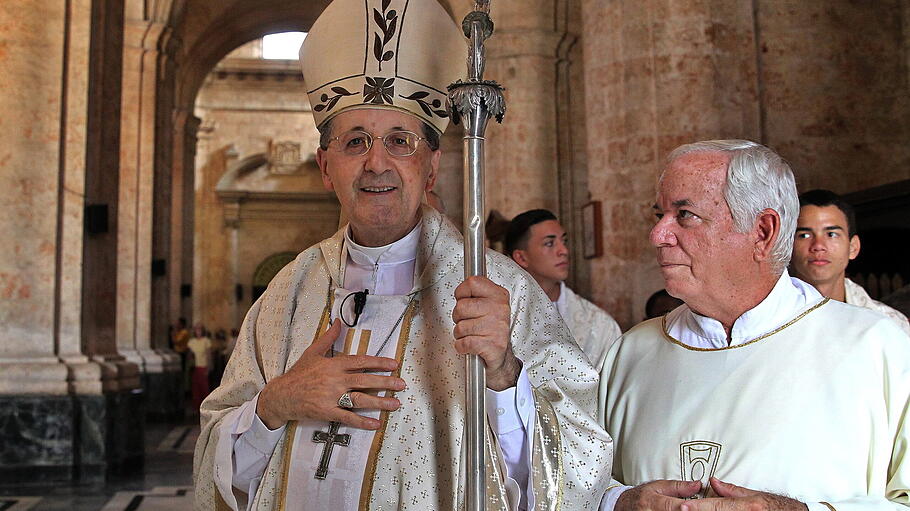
x: 330, y: 438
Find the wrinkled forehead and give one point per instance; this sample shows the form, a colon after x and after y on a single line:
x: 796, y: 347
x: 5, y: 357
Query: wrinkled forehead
x: 375, y: 121
x: 695, y: 174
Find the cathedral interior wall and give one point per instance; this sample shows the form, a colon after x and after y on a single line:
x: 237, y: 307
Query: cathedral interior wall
x: 597, y: 94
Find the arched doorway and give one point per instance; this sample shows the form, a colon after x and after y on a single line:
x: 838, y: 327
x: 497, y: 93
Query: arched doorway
x: 267, y: 269
x: 193, y: 37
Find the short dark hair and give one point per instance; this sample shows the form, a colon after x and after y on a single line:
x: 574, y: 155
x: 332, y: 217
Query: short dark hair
x: 429, y: 134
x: 822, y: 198
x: 520, y: 227
x: 652, y: 309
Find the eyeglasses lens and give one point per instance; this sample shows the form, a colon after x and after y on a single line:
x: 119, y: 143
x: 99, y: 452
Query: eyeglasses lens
x: 355, y: 143
x: 397, y: 143
x: 400, y: 143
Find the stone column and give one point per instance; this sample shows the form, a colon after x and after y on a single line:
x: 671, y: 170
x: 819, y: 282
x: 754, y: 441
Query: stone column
x: 42, y: 167
x: 165, y: 309
x: 160, y: 367
x: 522, y: 163
x: 657, y: 74
x: 186, y: 126
x: 114, y: 416
x: 450, y: 181
x: 571, y: 139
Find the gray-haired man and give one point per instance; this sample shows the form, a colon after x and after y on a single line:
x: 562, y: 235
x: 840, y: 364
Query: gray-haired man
x: 758, y: 387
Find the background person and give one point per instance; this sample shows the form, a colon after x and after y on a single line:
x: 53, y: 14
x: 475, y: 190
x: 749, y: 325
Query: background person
x: 660, y: 303
x: 825, y: 243
x: 200, y: 348
x: 538, y: 243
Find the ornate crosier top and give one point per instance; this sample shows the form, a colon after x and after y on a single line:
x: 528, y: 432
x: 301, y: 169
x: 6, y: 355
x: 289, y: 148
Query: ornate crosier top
x: 475, y: 92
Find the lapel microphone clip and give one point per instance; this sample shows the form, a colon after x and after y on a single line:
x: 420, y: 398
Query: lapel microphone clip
x: 360, y: 301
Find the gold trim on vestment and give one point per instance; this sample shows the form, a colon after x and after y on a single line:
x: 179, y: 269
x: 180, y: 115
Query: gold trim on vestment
x: 364, y: 342
x: 348, y: 341
x: 548, y: 456
x: 495, y: 488
x: 370, y: 469
x: 829, y: 506
x: 220, y: 504
x: 753, y: 341
x: 291, y: 431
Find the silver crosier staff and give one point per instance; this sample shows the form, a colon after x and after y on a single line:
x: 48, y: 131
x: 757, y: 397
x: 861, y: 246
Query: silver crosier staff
x: 472, y: 103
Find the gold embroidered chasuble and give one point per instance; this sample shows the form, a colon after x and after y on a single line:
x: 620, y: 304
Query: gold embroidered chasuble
x: 415, y: 459
x: 817, y: 410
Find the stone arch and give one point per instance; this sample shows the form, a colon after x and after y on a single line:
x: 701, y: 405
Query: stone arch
x: 267, y: 269
x: 194, y: 37
x: 210, y: 31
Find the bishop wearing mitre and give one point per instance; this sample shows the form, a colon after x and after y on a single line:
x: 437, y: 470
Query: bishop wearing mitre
x: 346, y: 387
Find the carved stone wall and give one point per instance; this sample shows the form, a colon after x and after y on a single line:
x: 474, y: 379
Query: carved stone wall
x: 249, y: 107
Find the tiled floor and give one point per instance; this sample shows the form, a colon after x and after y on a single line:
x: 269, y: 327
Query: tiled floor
x: 165, y: 483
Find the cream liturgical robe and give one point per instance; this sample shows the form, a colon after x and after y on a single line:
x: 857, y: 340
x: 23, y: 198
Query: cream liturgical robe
x: 594, y: 330
x: 810, y: 402
x: 856, y: 295
x: 415, y: 460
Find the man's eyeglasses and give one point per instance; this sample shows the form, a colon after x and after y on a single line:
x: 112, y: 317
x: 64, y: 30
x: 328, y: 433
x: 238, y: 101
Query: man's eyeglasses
x: 358, y: 143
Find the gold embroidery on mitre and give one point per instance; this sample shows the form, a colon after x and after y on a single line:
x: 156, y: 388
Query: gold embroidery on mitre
x: 698, y: 462
x: 348, y: 342
x: 387, y: 54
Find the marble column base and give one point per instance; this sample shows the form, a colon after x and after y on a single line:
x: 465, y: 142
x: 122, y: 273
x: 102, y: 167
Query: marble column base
x: 45, y: 439
x: 126, y: 435
x: 36, y: 439
x: 164, y: 396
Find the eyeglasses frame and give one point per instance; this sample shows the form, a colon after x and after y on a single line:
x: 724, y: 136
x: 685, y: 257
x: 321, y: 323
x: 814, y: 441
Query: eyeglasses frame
x: 369, y: 145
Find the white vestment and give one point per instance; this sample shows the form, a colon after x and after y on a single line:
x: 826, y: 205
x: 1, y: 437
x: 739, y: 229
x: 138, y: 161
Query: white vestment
x: 594, y: 330
x: 808, y: 400
x: 856, y: 295
x: 415, y: 460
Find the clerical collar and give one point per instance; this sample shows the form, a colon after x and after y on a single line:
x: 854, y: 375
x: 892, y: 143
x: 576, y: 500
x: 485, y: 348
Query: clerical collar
x: 789, y: 298
x: 400, y: 251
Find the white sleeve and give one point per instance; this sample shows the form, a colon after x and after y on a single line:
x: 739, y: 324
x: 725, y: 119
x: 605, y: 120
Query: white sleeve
x: 511, y: 416
x: 253, y: 444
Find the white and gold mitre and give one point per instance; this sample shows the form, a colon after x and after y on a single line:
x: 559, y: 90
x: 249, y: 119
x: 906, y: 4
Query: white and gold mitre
x: 386, y: 54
